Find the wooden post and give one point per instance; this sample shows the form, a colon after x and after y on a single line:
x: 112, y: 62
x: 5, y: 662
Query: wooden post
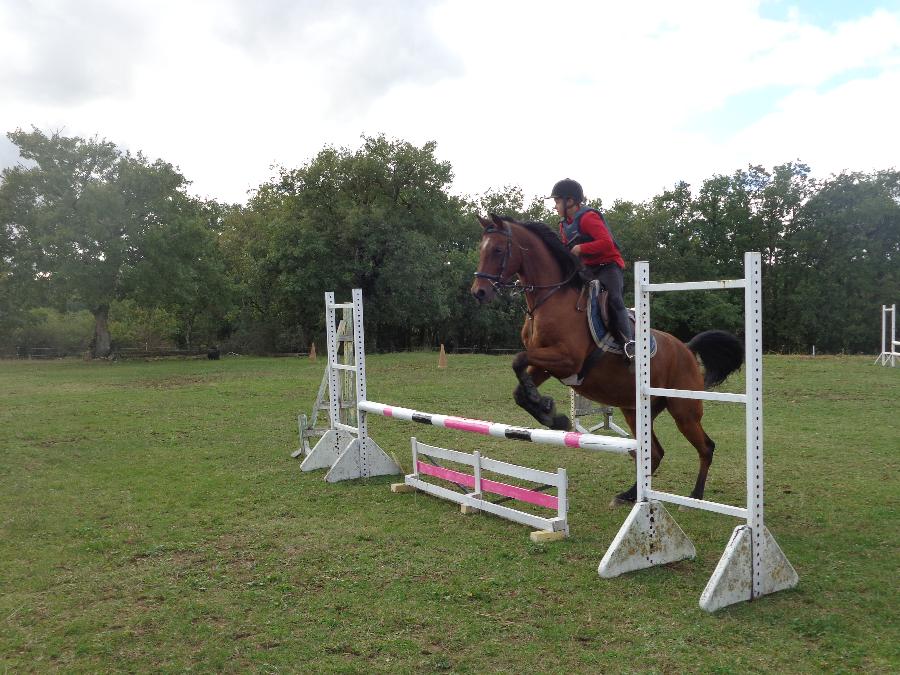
x: 312, y: 352
x: 442, y: 359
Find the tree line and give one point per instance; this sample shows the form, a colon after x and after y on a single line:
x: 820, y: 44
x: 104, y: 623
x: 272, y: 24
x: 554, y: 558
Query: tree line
x: 101, y: 249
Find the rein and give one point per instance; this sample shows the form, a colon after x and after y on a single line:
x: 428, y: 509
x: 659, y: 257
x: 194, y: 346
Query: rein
x: 516, y: 286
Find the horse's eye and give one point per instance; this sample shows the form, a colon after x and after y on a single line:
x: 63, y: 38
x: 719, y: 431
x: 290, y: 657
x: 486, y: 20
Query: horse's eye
x: 498, y: 251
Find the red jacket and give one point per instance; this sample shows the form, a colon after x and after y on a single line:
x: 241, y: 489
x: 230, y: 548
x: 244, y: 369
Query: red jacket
x: 602, y: 249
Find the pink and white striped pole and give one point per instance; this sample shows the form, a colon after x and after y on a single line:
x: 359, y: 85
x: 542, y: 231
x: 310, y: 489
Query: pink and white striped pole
x: 570, y: 439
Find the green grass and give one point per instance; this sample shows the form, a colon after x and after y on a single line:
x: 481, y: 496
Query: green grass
x: 153, y: 520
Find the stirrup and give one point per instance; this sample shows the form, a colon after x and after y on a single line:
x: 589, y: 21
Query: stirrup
x: 628, y: 349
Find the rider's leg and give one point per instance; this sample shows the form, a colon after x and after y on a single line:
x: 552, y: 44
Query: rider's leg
x: 612, y: 277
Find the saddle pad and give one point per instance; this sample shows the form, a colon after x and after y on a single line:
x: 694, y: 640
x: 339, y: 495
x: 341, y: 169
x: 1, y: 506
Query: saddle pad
x: 602, y: 337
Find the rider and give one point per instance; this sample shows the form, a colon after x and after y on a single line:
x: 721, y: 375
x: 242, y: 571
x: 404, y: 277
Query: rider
x: 585, y: 232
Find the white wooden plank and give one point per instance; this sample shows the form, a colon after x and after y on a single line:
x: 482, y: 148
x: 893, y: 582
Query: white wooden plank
x: 437, y: 490
x: 515, y: 515
x: 702, y: 504
x: 444, y: 453
x: 521, y: 472
x: 698, y: 395
x: 695, y: 286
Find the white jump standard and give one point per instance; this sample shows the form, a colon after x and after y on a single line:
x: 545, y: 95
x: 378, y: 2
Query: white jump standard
x: 753, y: 564
x: 890, y: 346
x: 347, y: 451
x: 580, y: 408
x: 307, y: 425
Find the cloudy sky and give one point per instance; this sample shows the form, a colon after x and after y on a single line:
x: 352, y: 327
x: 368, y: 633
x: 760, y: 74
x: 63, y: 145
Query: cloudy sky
x: 626, y: 97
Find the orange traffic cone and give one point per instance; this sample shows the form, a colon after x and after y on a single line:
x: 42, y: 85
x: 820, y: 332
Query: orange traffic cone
x: 312, y: 352
x: 442, y: 359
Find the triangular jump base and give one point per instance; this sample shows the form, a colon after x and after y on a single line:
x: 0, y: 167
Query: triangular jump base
x: 356, y: 461
x: 733, y: 580
x: 343, y: 455
x: 648, y: 537
x: 326, y: 452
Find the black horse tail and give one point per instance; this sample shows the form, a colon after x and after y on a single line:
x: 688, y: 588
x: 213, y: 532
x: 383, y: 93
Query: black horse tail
x: 721, y: 353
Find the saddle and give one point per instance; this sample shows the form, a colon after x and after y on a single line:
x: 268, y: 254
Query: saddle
x: 598, y: 320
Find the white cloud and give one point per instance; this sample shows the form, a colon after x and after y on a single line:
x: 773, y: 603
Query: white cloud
x: 513, y: 92
x: 849, y: 127
x: 58, y: 54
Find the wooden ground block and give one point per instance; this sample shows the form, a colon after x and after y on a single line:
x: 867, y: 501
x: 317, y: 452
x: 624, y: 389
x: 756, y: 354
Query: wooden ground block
x: 467, y: 510
x: 542, y: 536
x: 402, y: 487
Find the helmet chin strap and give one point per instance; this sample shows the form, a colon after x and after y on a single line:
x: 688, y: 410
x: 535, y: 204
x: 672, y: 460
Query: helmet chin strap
x: 569, y: 210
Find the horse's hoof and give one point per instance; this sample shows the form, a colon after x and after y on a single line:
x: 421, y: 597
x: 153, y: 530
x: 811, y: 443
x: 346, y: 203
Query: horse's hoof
x: 561, y: 423
x: 618, y: 502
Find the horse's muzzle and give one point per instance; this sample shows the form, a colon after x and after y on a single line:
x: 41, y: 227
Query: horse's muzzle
x: 483, y: 292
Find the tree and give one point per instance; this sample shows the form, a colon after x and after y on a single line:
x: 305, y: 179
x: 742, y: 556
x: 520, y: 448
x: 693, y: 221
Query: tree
x: 182, y: 270
x: 510, y: 201
x: 847, y: 259
x: 378, y: 218
x: 86, y: 220
x: 12, y: 314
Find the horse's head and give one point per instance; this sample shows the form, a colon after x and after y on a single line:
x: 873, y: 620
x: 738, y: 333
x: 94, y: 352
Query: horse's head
x: 498, y: 260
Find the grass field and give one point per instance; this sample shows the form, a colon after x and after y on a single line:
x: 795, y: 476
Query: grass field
x: 152, y: 520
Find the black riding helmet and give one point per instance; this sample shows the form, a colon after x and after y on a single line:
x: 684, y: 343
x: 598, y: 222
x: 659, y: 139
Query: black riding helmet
x: 568, y: 188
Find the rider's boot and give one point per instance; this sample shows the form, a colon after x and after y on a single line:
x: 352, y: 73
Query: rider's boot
x: 628, y: 345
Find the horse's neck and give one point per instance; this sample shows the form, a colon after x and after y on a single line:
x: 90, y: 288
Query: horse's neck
x: 539, y: 267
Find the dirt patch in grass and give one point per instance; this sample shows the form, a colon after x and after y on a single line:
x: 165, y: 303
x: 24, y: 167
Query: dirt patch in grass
x: 172, y: 382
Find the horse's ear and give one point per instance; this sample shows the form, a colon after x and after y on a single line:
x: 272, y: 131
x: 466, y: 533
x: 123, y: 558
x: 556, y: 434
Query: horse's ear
x: 485, y: 223
x: 498, y: 221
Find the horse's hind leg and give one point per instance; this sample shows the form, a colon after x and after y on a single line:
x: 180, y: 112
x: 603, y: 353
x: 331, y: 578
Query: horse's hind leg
x: 687, y: 414
x: 629, y: 496
x: 526, y: 394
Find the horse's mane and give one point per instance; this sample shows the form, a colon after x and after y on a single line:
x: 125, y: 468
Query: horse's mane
x: 568, y: 263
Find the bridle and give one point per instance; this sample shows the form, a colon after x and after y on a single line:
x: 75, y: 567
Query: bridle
x: 497, y: 279
x: 499, y: 284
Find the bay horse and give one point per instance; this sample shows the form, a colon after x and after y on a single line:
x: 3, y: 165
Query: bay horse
x: 558, y: 342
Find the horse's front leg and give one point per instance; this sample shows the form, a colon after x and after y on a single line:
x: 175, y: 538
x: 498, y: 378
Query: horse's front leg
x: 526, y: 393
x: 532, y: 373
